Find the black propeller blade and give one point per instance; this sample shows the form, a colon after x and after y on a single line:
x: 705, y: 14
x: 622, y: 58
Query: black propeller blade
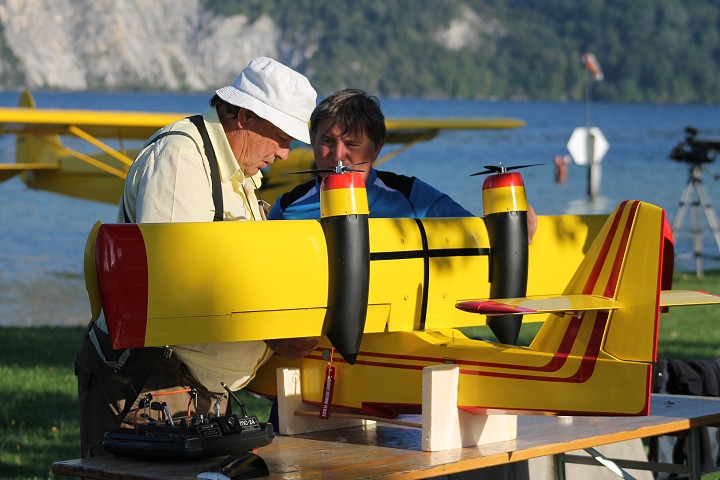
x: 502, y: 168
x: 340, y: 168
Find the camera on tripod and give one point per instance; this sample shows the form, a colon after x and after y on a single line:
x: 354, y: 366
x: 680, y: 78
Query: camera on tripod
x: 695, y: 150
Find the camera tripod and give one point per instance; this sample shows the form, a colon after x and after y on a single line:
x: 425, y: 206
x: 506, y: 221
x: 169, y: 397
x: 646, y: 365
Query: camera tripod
x: 695, y: 197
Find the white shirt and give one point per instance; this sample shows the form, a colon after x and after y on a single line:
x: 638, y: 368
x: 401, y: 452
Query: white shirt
x: 170, y: 182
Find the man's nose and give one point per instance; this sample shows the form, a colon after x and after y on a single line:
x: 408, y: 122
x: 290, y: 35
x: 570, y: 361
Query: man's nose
x: 339, y: 152
x: 282, y: 153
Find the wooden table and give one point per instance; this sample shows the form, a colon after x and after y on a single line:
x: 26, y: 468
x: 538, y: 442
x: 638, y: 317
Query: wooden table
x: 392, y: 451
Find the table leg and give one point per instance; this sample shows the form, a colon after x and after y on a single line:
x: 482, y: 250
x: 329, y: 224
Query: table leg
x: 693, y: 454
x: 559, y: 463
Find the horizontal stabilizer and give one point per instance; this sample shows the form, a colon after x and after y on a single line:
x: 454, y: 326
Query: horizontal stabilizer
x: 676, y: 298
x: 577, y: 303
x: 9, y: 170
x: 538, y: 304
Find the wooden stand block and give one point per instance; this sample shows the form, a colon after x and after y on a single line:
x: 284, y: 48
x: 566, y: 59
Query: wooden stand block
x: 444, y: 426
x: 290, y: 400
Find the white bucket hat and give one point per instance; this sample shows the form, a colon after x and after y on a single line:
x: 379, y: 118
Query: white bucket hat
x: 276, y: 93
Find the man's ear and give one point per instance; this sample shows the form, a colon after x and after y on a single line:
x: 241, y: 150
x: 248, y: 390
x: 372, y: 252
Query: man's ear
x: 377, y: 152
x: 228, y: 120
x: 244, y: 115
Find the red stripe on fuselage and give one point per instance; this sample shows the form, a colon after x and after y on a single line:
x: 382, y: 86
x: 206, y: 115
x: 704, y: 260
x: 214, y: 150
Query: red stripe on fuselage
x: 602, y: 255
x: 584, y: 371
x: 612, y: 283
x: 558, y: 360
x: 555, y: 363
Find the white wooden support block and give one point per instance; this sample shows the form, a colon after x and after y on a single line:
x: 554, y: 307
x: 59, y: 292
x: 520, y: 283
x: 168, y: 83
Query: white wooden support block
x: 444, y: 426
x: 290, y: 400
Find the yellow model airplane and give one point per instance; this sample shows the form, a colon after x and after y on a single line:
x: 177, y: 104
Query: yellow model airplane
x: 389, y: 294
x: 46, y: 163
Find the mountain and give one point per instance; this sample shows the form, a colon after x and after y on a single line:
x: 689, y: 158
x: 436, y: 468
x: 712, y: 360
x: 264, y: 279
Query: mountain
x: 649, y: 50
x: 126, y: 44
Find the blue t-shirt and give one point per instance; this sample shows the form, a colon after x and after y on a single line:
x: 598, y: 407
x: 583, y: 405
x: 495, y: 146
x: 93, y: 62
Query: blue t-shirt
x: 389, y: 196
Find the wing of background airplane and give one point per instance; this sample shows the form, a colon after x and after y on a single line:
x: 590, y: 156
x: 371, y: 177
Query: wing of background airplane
x: 96, y: 171
x: 110, y: 141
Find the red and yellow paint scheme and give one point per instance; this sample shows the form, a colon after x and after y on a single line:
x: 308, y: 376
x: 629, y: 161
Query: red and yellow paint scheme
x: 107, y: 142
x: 164, y: 284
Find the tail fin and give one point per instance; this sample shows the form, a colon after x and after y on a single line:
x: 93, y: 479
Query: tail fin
x: 602, y: 331
x: 33, y: 153
x: 45, y: 163
x: 624, y: 263
x: 35, y: 148
x: 36, y: 155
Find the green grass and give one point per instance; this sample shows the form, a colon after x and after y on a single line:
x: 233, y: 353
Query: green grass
x: 38, y: 400
x: 39, y: 416
x: 692, y: 332
x: 38, y: 390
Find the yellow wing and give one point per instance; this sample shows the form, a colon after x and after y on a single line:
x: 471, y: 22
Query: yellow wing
x: 411, y: 131
x: 101, y: 124
x: 45, y: 163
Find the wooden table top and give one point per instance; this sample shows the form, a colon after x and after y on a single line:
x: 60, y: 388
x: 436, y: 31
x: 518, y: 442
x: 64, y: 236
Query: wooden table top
x: 393, y: 451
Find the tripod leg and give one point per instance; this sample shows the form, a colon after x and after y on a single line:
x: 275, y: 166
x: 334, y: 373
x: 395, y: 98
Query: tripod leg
x: 685, y: 200
x: 709, y: 213
x: 696, y: 229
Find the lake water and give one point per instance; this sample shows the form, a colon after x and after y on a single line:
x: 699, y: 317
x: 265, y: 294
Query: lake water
x: 42, y: 235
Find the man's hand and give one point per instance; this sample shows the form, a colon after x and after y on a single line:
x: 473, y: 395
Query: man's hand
x: 292, y: 348
x: 532, y: 222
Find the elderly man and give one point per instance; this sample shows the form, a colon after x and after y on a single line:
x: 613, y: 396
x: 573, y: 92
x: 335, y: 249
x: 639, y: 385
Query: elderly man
x: 199, y: 169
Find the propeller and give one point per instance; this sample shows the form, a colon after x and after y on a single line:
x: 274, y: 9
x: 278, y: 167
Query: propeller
x: 339, y: 168
x: 500, y: 168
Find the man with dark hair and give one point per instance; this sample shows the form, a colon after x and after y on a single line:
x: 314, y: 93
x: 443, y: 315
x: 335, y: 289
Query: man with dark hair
x: 349, y: 127
x: 198, y: 169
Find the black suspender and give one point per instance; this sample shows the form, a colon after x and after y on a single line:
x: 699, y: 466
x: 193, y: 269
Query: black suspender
x: 197, y: 120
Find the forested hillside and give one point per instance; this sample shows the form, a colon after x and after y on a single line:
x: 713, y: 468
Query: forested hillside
x: 650, y: 50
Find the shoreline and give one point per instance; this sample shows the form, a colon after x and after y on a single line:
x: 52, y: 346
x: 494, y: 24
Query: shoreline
x: 47, y: 301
